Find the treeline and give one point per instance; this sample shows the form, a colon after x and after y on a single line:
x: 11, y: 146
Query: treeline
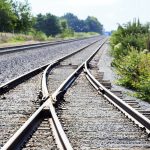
x: 131, y: 50
x: 91, y: 24
x: 52, y: 25
x: 16, y: 17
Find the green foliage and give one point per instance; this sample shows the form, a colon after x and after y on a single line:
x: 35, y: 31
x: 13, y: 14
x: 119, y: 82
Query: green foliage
x: 13, y: 38
x: 74, y: 23
x: 19, y: 38
x: 94, y: 25
x: 91, y: 24
x: 15, y: 16
x: 7, y: 17
x: 130, y: 48
x: 66, y: 26
x: 134, y: 71
x: 24, y: 19
x: 84, y: 34
x: 131, y: 34
x: 38, y: 35
x: 67, y: 33
x: 49, y: 24
x: 63, y: 24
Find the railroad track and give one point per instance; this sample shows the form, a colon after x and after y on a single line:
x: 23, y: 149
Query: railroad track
x: 22, y: 95
x: 12, y: 49
x: 43, y: 129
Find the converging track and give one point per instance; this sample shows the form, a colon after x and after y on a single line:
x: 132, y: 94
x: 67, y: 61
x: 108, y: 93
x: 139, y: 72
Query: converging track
x: 74, y: 115
x: 18, y: 104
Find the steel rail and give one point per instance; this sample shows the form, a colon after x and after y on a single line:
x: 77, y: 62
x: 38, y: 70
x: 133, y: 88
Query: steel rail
x: 59, y: 134
x: 14, y: 82
x: 13, y: 49
x: 57, y: 97
x: 47, y: 107
x: 133, y: 114
x: 15, y: 141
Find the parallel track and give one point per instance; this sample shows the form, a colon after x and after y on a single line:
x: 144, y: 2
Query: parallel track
x: 12, y: 49
x: 47, y: 111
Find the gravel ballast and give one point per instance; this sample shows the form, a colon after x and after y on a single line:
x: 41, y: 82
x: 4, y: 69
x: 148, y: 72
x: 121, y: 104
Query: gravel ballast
x: 15, y: 64
x: 90, y: 122
x: 16, y: 107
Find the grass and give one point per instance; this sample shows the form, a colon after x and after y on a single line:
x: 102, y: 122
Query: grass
x: 85, y: 34
x: 13, y: 39
x: 81, y: 35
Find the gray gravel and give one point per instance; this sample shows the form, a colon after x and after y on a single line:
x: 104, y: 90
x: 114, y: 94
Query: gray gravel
x: 15, y: 64
x: 104, y: 65
x: 16, y: 106
x: 90, y: 122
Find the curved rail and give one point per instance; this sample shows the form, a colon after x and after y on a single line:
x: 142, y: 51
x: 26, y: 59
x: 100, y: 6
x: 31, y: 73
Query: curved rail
x: 57, y: 95
x: 47, y: 108
x: 6, y: 50
x: 133, y: 114
x: 66, y: 84
x: 59, y: 134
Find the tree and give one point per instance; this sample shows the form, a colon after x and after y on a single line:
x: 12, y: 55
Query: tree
x: 49, y: 24
x: 73, y: 21
x: 94, y: 25
x: 63, y: 24
x: 91, y: 24
x: 7, y: 17
x: 15, y: 16
x: 24, y: 20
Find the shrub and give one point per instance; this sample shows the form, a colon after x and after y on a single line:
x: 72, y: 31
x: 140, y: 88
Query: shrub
x: 134, y: 72
x: 38, y: 35
x: 130, y: 48
x: 67, y: 33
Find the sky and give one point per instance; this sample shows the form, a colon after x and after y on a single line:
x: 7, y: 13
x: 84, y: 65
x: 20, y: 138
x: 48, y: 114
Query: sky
x: 110, y: 13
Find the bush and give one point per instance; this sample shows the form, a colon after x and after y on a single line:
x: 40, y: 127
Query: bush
x: 40, y: 36
x: 67, y: 33
x: 134, y: 72
x: 130, y: 48
x: 85, y: 34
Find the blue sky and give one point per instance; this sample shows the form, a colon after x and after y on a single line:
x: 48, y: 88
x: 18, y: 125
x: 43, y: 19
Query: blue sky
x: 108, y: 12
